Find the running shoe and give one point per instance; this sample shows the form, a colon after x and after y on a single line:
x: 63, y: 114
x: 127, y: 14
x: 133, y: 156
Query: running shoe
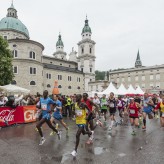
x: 74, y: 153
x: 157, y: 116
x: 57, y: 126
x: 116, y: 123
x: 98, y: 122
x: 110, y: 128
x: 36, y: 129
x: 133, y: 133
x: 59, y: 135
x: 42, y: 141
x: 144, y: 128
x: 52, y: 133
x: 92, y: 135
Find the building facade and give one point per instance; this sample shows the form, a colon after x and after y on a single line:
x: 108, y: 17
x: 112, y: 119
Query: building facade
x: 150, y: 78
x: 38, y: 72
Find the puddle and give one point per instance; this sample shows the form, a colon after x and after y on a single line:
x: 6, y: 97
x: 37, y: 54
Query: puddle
x: 100, y: 150
x: 65, y: 157
x: 121, y: 155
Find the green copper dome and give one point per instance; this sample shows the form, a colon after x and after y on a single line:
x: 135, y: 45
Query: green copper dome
x: 11, y: 22
x: 86, y: 27
x: 59, y: 42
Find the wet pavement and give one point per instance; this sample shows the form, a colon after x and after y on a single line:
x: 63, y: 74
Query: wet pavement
x: 20, y: 145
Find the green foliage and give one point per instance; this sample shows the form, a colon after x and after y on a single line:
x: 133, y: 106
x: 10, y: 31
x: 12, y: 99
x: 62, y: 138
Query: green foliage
x: 100, y: 75
x: 6, y: 70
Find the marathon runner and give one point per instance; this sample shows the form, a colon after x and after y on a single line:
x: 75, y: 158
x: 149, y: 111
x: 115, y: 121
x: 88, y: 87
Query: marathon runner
x: 133, y: 110
x: 57, y: 115
x: 147, y: 109
x: 45, y: 103
x: 112, y: 109
x: 160, y: 107
x: 81, y: 110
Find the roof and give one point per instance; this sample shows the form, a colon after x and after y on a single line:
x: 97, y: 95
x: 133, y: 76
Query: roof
x: 86, y: 27
x: 59, y: 42
x: 11, y: 23
x: 61, y: 68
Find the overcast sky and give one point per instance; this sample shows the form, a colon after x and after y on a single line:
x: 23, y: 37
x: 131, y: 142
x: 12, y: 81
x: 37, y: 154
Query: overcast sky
x: 119, y: 27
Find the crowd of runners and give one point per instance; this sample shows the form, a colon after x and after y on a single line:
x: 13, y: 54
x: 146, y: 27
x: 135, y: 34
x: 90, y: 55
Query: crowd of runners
x: 89, y: 113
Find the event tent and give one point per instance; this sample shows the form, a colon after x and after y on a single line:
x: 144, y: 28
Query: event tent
x: 139, y: 91
x: 121, y: 90
x: 110, y: 88
x: 14, y: 89
x: 131, y: 90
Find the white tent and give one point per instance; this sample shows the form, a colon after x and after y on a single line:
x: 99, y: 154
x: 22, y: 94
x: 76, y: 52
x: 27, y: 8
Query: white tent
x: 110, y: 88
x: 14, y: 89
x: 139, y: 91
x: 131, y: 90
x: 121, y: 90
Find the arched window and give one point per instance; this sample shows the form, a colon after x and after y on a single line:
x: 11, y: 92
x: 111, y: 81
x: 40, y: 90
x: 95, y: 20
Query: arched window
x: 78, y: 87
x: 14, y: 82
x: 32, y: 83
x: 59, y: 86
x: 32, y: 55
x: 15, y: 53
x: 48, y: 86
x: 69, y: 87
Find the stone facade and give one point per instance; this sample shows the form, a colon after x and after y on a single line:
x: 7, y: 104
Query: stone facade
x: 147, y: 78
x: 98, y: 86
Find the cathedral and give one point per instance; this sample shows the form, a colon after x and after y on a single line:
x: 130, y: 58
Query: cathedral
x: 37, y: 72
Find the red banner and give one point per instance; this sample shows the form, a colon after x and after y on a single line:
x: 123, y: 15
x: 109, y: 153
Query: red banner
x: 13, y: 116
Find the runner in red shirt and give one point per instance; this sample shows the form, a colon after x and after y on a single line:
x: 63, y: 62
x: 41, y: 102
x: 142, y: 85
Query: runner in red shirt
x: 92, y: 107
x: 133, y: 110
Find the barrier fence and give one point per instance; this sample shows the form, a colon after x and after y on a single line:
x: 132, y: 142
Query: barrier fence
x: 20, y: 114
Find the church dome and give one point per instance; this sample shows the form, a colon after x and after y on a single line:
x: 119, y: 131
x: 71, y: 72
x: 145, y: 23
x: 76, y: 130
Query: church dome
x: 86, y: 27
x: 11, y: 22
x: 59, y: 42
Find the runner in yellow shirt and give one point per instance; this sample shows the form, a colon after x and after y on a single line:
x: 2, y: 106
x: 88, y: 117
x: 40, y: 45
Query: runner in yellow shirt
x: 81, y: 110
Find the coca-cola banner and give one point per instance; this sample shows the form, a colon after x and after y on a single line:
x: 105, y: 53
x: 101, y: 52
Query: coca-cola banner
x: 12, y: 115
x: 29, y: 113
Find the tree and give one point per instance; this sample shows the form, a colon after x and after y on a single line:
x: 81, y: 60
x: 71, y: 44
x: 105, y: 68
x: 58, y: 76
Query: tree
x: 6, y: 70
x: 100, y: 75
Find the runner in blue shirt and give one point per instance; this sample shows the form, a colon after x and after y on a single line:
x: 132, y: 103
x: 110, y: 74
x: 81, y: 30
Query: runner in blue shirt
x: 58, y: 114
x: 45, y: 103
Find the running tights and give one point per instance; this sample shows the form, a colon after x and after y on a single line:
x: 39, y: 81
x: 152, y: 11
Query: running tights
x: 41, y: 122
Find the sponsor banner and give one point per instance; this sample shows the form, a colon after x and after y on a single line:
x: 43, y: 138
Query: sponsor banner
x: 29, y: 113
x: 12, y: 115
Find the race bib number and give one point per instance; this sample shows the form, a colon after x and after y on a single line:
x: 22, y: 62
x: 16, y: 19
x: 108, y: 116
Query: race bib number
x: 44, y: 106
x: 132, y: 111
x: 111, y: 105
x: 79, y: 113
x: 163, y: 114
x: 55, y: 110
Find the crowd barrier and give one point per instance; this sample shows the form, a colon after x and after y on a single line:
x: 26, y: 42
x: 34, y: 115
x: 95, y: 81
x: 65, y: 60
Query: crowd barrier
x: 20, y: 114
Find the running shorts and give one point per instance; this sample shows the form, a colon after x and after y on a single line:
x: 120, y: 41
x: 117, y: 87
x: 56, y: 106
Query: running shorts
x: 112, y: 111
x: 103, y: 110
